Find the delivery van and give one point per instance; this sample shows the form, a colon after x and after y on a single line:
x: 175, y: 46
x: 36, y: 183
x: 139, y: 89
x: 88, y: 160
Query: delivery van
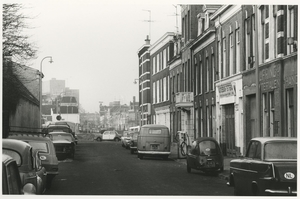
x: 154, y: 140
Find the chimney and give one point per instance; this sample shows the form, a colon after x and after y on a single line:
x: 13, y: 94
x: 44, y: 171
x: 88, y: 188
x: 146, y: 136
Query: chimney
x: 147, y: 40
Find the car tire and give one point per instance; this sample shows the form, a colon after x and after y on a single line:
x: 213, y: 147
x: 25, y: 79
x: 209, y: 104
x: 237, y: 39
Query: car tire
x: 116, y: 139
x: 165, y: 157
x: 222, y: 169
x: 188, y: 168
x: 98, y: 139
x: 140, y: 156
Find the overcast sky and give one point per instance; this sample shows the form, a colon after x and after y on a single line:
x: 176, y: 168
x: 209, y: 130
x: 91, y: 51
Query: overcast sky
x: 94, y: 44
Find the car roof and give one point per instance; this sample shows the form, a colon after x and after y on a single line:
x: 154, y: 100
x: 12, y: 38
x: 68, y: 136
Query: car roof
x: 59, y: 132
x: 267, y: 139
x: 29, y: 137
x: 154, y: 125
x: 17, y: 145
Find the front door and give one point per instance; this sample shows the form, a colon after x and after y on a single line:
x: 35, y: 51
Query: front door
x: 230, y: 129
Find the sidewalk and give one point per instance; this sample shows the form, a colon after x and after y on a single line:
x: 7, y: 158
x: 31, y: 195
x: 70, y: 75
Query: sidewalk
x: 223, y: 175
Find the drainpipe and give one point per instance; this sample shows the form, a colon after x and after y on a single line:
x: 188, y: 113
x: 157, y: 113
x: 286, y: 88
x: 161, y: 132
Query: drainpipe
x: 257, y: 71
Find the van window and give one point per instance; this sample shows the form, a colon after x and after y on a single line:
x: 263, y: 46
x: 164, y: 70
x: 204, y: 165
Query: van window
x: 154, y: 131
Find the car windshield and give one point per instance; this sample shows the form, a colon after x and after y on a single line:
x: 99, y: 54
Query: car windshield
x: 208, y: 148
x: 62, y: 137
x: 40, y: 146
x: 281, y: 151
x: 16, y: 156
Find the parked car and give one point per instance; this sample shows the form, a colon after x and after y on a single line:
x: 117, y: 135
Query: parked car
x: 269, y: 168
x: 97, y: 136
x: 64, y: 144
x: 29, y: 164
x: 58, y: 127
x: 125, y: 139
x: 133, y: 142
x: 11, y: 180
x: 205, y: 155
x: 109, y: 135
x: 47, y: 152
x: 154, y: 140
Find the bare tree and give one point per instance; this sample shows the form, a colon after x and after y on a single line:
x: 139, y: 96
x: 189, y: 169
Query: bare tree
x: 15, y: 43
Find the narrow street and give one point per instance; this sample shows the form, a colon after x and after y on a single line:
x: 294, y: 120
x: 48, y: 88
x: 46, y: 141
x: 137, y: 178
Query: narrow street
x: 106, y: 168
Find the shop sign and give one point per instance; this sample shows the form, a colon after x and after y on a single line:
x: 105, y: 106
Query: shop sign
x: 226, y: 90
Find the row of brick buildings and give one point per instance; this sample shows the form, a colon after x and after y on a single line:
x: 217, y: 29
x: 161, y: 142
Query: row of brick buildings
x: 231, y: 74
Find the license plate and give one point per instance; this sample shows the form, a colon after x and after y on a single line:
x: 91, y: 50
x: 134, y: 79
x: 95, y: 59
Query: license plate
x: 154, y: 146
x: 210, y: 163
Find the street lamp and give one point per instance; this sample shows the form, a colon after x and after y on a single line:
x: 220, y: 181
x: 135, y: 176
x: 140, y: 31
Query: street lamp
x: 142, y: 103
x: 41, y: 76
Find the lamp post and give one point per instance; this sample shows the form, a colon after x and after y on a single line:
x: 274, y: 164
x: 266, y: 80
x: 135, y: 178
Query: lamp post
x: 41, y: 76
x: 142, y: 103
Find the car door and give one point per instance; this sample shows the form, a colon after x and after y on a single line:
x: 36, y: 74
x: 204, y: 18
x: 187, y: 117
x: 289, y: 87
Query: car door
x: 192, y: 156
x: 106, y: 135
x: 248, y: 175
x: 41, y: 173
x: 112, y: 135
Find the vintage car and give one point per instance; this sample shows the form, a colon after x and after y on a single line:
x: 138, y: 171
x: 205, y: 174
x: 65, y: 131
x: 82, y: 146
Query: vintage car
x: 58, y: 127
x: 47, y: 152
x: 108, y: 135
x: 133, y: 142
x: 64, y: 144
x: 11, y: 180
x: 269, y: 168
x: 205, y: 155
x: 125, y: 139
x: 29, y: 165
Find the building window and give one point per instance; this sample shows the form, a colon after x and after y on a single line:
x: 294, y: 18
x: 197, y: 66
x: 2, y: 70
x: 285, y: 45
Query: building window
x: 157, y: 63
x: 207, y: 74
x: 231, y: 54
x: 220, y: 62
x: 200, y: 77
x: 165, y: 89
x: 154, y: 91
x: 178, y: 82
x: 265, y: 115
x: 197, y: 122
x: 262, y: 51
x: 290, y: 113
x: 168, y: 88
x: 237, y: 52
x: 164, y: 58
x: 224, y: 58
x: 247, y: 42
x: 275, y: 30
x: 272, y: 113
x: 253, y: 40
x: 184, y: 73
x: 157, y: 92
x: 207, y: 122
x: 201, y: 122
x: 212, y: 84
x: 196, y: 77
x: 290, y: 27
x: 153, y: 65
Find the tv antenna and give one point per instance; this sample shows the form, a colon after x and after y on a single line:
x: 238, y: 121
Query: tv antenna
x: 149, y: 21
